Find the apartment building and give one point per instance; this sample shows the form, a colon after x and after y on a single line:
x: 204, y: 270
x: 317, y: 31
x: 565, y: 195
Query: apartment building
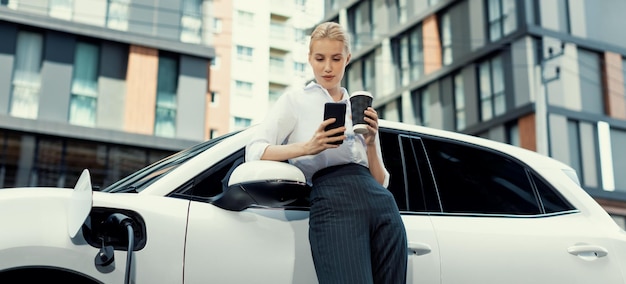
x: 548, y: 76
x: 113, y: 85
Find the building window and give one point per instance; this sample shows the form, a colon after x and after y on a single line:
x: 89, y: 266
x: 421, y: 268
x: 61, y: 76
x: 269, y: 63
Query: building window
x: 27, y: 75
x: 459, y: 103
x: 278, y: 30
x: 277, y: 64
x: 167, y: 85
x: 502, y: 18
x: 299, y: 35
x: 369, y: 72
x: 117, y: 14
x: 409, y: 54
x: 421, y: 106
x: 590, y: 78
x: 361, y: 24
x: 213, y: 133
x: 191, y: 21
x: 215, y: 99
x: 446, y: 39
x: 84, y: 91
x: 245, y: 18
x: 513, y: 134
x: 300, y: 4
x: 61, y: 9
x: 492, y: 89
x: 244, y: 53
x: 241, y: 123
x: 274, y: 95
x: 215, y: 62
x: 12, y: 4
x: 401, y: 10
x: 243, y: 87
x: 299, y: 68
x: 217, y: 25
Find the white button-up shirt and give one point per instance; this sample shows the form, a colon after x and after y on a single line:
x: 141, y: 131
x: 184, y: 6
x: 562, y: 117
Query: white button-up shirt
x: 295, y: 117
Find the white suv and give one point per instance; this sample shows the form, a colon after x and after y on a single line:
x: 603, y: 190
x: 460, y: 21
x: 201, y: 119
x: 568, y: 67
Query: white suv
x: 475, y: 211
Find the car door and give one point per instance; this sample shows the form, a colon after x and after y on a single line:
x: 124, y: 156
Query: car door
x: 255, y: 245
x: 412, y: 186
x: 501, y: 223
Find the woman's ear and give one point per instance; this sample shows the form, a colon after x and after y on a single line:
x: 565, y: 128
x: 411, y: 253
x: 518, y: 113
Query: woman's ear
x: 348, y: 58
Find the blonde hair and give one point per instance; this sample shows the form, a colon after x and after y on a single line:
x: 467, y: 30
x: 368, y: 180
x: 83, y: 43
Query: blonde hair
x: 333, y: 31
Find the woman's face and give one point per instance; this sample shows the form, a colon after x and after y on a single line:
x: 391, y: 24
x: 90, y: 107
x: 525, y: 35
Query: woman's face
x: 328, y: 60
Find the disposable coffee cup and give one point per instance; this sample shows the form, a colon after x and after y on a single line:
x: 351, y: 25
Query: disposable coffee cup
x: 360, y: 101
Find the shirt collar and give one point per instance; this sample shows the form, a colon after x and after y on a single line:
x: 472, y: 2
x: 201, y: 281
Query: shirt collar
x: 345, y: 96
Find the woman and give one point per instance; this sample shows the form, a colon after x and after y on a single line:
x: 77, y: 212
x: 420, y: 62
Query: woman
x: 355, y: 230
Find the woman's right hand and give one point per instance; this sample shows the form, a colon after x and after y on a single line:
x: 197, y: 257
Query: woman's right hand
x: 323, y: 139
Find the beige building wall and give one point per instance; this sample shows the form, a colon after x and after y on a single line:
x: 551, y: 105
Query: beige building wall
x: 613, y: 80
x: 432, y: 45
x: 141, y: 85
x: 218, y: 112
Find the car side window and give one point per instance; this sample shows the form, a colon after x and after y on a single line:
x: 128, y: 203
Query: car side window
x: 211, y: 182
x: 551, y: 201
x: 471, y: 179
x: 410, y: 181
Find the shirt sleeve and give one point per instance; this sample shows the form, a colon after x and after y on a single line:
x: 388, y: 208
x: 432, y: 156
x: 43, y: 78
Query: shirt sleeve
x: 274, y: 129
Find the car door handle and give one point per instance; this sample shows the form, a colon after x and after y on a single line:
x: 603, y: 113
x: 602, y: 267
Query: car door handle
x: 419, y: 248
x: 588, y: 252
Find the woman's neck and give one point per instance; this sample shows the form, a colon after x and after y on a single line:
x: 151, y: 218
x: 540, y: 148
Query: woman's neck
x: 335, y: 94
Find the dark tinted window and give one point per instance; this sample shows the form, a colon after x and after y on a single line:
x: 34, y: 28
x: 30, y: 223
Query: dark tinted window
x: 411, y: 182
x: 475, y: 180
x: 552, y: 202
x: 392, y: 157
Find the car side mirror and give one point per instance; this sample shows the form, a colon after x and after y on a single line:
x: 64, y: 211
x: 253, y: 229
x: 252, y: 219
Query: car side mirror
x: 265, y: 184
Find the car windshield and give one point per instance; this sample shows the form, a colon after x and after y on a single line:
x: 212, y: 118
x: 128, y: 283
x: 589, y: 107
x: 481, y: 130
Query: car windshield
x: 140, y: 179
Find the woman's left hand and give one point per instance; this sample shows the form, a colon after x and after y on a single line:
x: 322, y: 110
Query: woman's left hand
x: 371, y: 117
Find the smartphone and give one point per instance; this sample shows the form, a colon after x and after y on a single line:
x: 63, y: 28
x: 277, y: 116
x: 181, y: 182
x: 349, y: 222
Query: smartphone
x: 338, y: 111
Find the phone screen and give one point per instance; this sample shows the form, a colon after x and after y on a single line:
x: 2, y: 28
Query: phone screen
x: 338, y: 111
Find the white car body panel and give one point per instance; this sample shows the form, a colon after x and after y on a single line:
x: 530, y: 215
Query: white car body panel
x: 273, y: 241
x: 198, y: 242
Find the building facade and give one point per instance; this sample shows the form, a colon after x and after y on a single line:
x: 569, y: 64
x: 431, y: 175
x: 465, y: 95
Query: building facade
x: 113, y: 85
x: 108, y: 86
x: 548, y: 76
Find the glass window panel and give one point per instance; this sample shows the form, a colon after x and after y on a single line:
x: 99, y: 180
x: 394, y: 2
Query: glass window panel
x: 166, y: 105
x: 191, y: 28
x: 165, y: 123
x: 10, y: 148
x: 459, y: 102
x: 61, y: 9
x: 498, y: 186
x: 497, y: 73
x: 83, y: 110
x: 485, y: 80
x: 118, y: 14
x: 26, y: 75
x: 417, y: 53
x: 84, y: 90
x: 82, y: 155
x: 123, y: 161
x: 494, y: 11
x: 499, y: 103
x: 509, y: 16
x: 425, y: 104
x: 446, y: 39
x: 49, y: 162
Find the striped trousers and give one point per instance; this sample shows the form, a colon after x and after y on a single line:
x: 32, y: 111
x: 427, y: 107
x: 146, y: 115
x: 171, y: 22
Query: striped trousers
x: 355, y: 229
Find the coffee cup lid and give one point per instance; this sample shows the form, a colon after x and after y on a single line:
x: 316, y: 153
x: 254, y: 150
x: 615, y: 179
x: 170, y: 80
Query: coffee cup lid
x: 362, y: 93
